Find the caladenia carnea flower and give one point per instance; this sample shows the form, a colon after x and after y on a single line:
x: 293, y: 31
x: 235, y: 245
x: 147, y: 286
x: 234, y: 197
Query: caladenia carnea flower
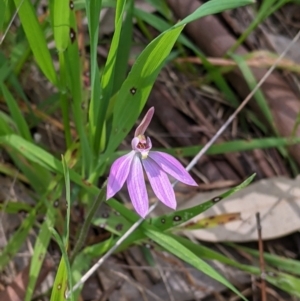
x: 157, y: 165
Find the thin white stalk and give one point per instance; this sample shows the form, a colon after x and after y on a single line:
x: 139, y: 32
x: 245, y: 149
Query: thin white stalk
x: 10, y: 23
x: 188, y: 168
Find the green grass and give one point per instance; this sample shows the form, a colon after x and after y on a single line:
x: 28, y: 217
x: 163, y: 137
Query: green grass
x: 116, y: 99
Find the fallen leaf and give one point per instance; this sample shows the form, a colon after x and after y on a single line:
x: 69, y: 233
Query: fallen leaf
x: 277, y: 200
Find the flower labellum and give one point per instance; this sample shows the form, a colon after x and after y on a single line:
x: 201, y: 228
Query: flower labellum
x: 157, y: 165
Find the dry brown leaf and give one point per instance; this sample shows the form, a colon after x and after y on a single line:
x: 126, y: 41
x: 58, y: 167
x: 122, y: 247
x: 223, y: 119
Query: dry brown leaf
x: 277, y: 200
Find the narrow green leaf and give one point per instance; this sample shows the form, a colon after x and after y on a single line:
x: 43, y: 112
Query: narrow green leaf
x: 64, y: 97
x: 120, y: 5
x: 231, y: 146
x: 66, y: 269
x: 60, y: 285
x: 266, y: 8
x: 7, y: 125
x: 252, y: 82
x: 36, y: 38
x: 107, y: 80
x: 37, y: 175
x: 3, y: 5
x: 281, y: 263
x: 93, y: 9
x: 161, y: 7
x: 14, y: 207
x: 16, y: 113
x: 61, y: 26
x: 283, y: 281
x: 40, y: 251
x: 124, y: 51
x: 74, y: 68
x: 209, y: 254
x: 68, y: 199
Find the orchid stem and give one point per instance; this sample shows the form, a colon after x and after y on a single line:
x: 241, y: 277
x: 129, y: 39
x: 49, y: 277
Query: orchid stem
x: 84, y: 230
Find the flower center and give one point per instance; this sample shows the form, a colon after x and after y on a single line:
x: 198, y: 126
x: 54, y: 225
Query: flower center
x: 143, y: 146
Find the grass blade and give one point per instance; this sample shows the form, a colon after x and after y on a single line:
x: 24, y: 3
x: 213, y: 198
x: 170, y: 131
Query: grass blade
x: 36, y: 38
x: 16, y: 113
x: 40, y: 251
x: 93, y: 9
x: 107, y: 80
x: 61, y: 26
x: 3, y: 5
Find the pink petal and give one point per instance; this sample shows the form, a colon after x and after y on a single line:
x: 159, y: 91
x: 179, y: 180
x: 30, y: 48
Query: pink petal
x: 140, y: 130
x: 173, y: 167
x: 137, y: 187
x: 118, y: 174
x: 160, y: 183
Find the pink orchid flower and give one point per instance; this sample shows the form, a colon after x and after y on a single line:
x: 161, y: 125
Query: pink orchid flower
x: 157, y: 165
